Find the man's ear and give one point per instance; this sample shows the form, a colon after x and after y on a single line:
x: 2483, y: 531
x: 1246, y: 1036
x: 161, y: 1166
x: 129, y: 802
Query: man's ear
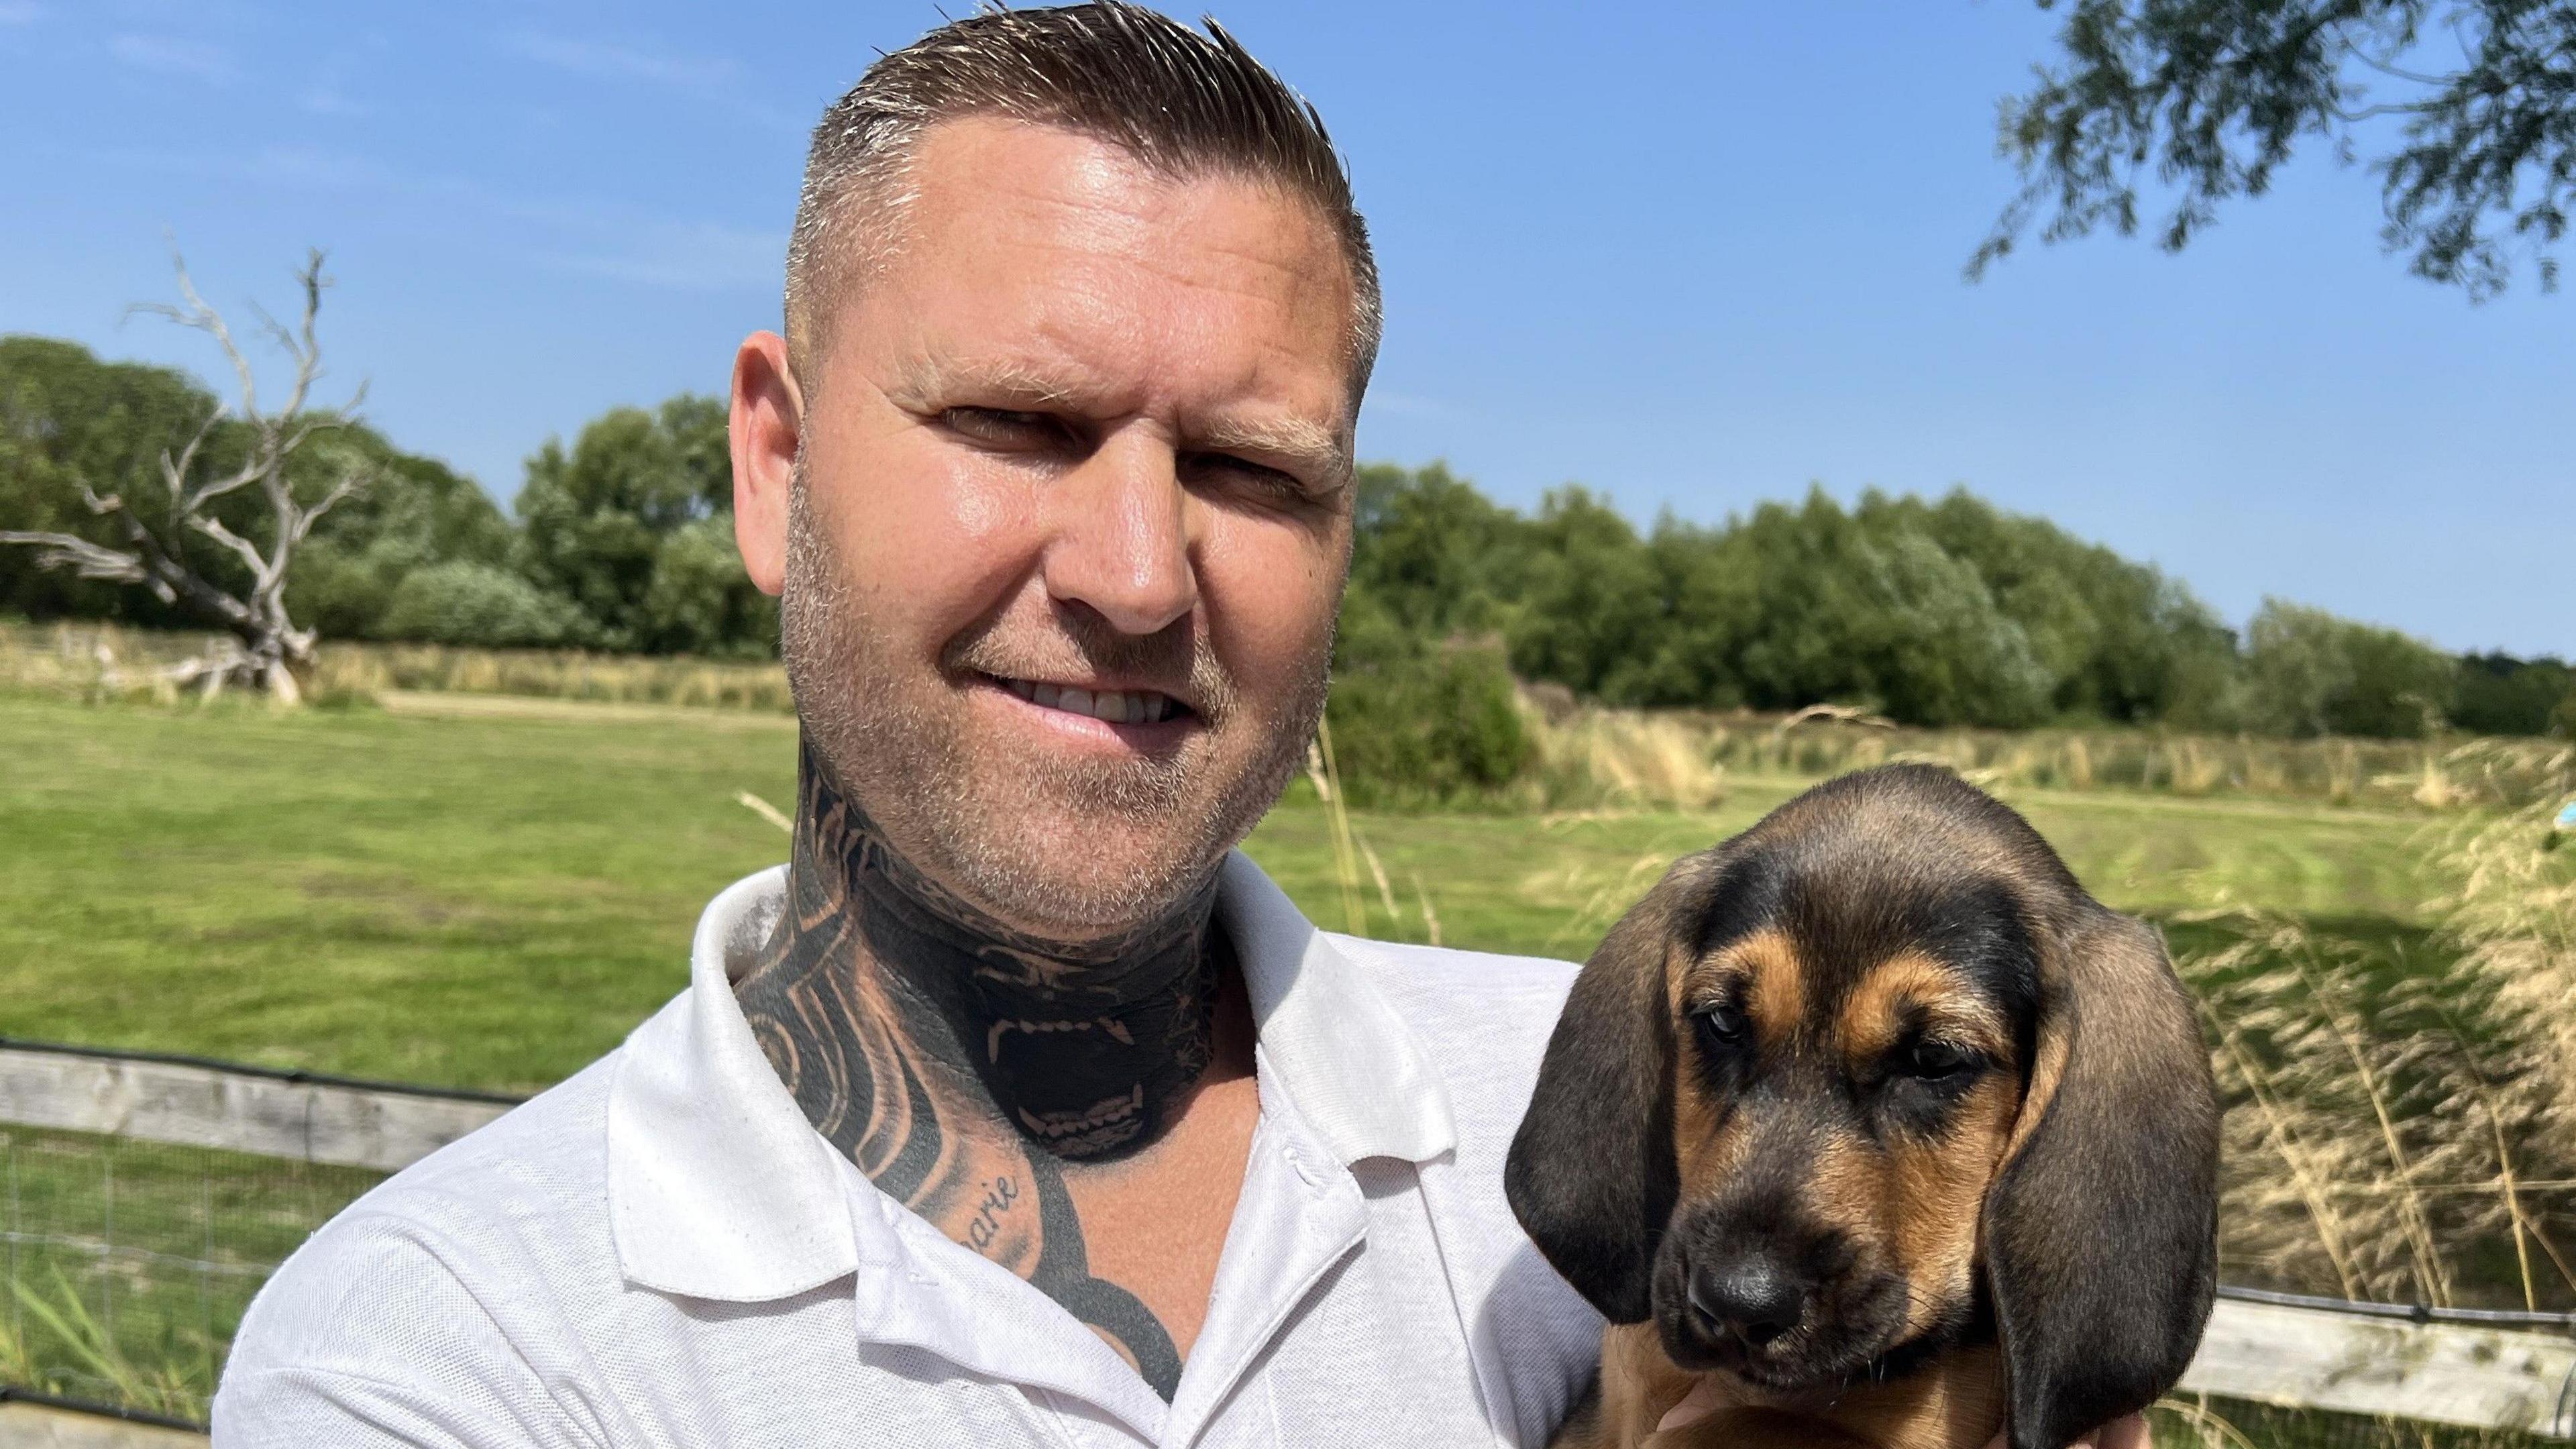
x: 2101, y: 1226
x: 767, y: 425
x: 1591, y: 1174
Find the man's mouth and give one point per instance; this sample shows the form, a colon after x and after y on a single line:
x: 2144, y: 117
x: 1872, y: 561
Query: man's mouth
x: 1114, y: 706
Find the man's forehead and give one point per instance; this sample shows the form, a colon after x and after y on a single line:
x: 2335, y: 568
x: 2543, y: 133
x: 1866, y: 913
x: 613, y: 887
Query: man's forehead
x: 1046, y: 238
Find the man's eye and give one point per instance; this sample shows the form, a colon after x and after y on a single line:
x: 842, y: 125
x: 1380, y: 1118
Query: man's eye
x: 1723, y: 1025
x: 1241, y: 472
x: 1932, y: 1059
x: 1005, y: 428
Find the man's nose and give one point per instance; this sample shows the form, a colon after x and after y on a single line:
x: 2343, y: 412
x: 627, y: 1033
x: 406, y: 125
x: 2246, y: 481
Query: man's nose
x: 1120, y: 540
x: 1753, y: 1296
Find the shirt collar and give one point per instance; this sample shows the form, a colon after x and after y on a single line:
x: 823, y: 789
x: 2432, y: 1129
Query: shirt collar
x: 718, y: 1187
x: 1340, y: 1050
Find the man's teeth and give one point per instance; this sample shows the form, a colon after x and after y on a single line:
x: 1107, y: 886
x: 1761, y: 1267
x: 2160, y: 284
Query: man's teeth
x: 1118, y: 706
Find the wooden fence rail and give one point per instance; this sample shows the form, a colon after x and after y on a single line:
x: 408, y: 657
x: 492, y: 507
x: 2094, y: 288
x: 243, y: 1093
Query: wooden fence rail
x: 2445, y: 1373
x: 202, y: 1104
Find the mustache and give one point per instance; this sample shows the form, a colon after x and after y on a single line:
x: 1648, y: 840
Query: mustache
x: 1177, y: 660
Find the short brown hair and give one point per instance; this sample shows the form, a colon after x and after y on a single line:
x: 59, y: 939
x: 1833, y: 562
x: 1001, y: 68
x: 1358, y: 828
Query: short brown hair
x: 1179, y: 101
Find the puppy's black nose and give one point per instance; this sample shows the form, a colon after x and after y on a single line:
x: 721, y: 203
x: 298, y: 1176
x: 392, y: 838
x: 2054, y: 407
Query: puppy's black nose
x: 1752, y: 1298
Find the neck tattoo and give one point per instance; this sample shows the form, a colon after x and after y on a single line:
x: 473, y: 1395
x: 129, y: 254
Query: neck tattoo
x: 962, y: 1064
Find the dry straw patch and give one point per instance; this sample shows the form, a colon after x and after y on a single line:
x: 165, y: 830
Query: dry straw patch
x: 1627, y: 758
x: 102, y: 662
x: 1681, y: 759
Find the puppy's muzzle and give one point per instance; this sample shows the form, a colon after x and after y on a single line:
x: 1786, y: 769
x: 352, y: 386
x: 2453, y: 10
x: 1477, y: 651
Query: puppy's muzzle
x: 1751, y: 1297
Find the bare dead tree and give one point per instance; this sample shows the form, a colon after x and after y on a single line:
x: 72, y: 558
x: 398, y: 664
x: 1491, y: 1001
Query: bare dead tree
x: 272, y: 650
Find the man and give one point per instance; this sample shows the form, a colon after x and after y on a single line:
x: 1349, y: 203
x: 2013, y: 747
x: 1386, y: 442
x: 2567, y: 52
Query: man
x: 1017, y: 1107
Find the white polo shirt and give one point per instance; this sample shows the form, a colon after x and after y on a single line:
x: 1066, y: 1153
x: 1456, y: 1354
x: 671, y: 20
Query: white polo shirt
x: 661, y: 1250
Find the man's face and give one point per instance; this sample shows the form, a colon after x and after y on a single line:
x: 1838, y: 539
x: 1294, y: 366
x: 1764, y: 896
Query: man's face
x: 1074, y: 521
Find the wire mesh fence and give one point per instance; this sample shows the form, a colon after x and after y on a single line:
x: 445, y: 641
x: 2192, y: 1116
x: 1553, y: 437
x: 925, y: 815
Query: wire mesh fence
x: 128, y: 1263
x: 145, y: 1198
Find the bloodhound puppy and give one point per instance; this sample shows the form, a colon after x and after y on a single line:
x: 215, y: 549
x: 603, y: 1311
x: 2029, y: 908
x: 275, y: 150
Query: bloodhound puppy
x: 1873, y: 1128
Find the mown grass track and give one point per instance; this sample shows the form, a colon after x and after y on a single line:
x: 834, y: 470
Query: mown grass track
x: 448, y: 893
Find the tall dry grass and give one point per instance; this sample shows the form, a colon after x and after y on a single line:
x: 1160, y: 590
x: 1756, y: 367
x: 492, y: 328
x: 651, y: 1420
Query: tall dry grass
x: 1590, y: 756
x: 2401, y: 1119
x: 103, y: 661
x: 1630, y: 758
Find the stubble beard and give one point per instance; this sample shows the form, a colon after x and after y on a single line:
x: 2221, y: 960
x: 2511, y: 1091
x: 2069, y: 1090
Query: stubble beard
x: 1066, y: 847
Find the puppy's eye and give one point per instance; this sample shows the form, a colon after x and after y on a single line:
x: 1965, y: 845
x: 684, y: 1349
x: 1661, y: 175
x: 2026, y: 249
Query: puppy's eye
x: 1932, y: 1058
x: 1723, y: 1025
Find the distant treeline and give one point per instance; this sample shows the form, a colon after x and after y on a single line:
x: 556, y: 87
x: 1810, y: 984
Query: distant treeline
x: 1947, y: 612
x: 1932, y: 613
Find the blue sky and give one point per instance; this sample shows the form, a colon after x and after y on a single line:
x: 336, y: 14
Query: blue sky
x: 1696, y: 256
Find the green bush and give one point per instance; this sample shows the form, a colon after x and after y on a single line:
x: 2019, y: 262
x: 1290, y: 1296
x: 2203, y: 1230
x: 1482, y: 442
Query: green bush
x: 1427, y: 726
x: 480, y: 606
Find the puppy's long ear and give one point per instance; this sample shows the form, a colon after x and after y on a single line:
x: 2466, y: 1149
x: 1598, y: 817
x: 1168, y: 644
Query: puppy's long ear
x: 2101, y: 1228
x: 1591, y: 1174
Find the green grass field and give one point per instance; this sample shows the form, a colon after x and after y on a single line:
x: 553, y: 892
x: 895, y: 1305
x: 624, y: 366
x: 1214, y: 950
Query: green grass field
x: 490, y: 892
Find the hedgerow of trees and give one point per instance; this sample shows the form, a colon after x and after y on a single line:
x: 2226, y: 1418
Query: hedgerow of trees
x: 1946, y: 612
x: 1936, y: 612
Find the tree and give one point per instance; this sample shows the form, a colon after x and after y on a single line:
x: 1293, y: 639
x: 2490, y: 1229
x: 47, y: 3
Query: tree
x: 68, y: 419
x: 2502, y: 695
x: 634, y: 525
x: 150, y: 542
x: 2311, y: 673
x: 419, y: 515
x: 2210, y: 97
x: 477, y: 605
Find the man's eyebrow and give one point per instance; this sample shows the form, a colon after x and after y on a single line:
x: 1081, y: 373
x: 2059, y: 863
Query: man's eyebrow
x: 993, y: 379
x: 1296, y: 440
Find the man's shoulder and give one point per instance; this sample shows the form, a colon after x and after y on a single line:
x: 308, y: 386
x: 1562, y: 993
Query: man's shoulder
x: 1483, y: 1023
x: 518, y: 1204
x: 541, y: 1157
x: 1442, y: 990
x: 1483, y: 1020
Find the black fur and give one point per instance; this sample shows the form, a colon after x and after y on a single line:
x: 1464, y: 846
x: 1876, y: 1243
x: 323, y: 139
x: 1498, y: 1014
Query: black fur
x: 2101, y: 1233
x: 1592, y: 1179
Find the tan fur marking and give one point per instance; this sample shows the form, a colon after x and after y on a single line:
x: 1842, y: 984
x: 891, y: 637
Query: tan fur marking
x: 1708, y: 1146
x: 1934, y: 1192
x: 1954, y: 1402
x: 1765, y: 971
x: 1703, y: 1151
x: 1843, y: 1188
x: 1778, y: 998
x: 1873, y: 1013
x: 1764, y: 968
